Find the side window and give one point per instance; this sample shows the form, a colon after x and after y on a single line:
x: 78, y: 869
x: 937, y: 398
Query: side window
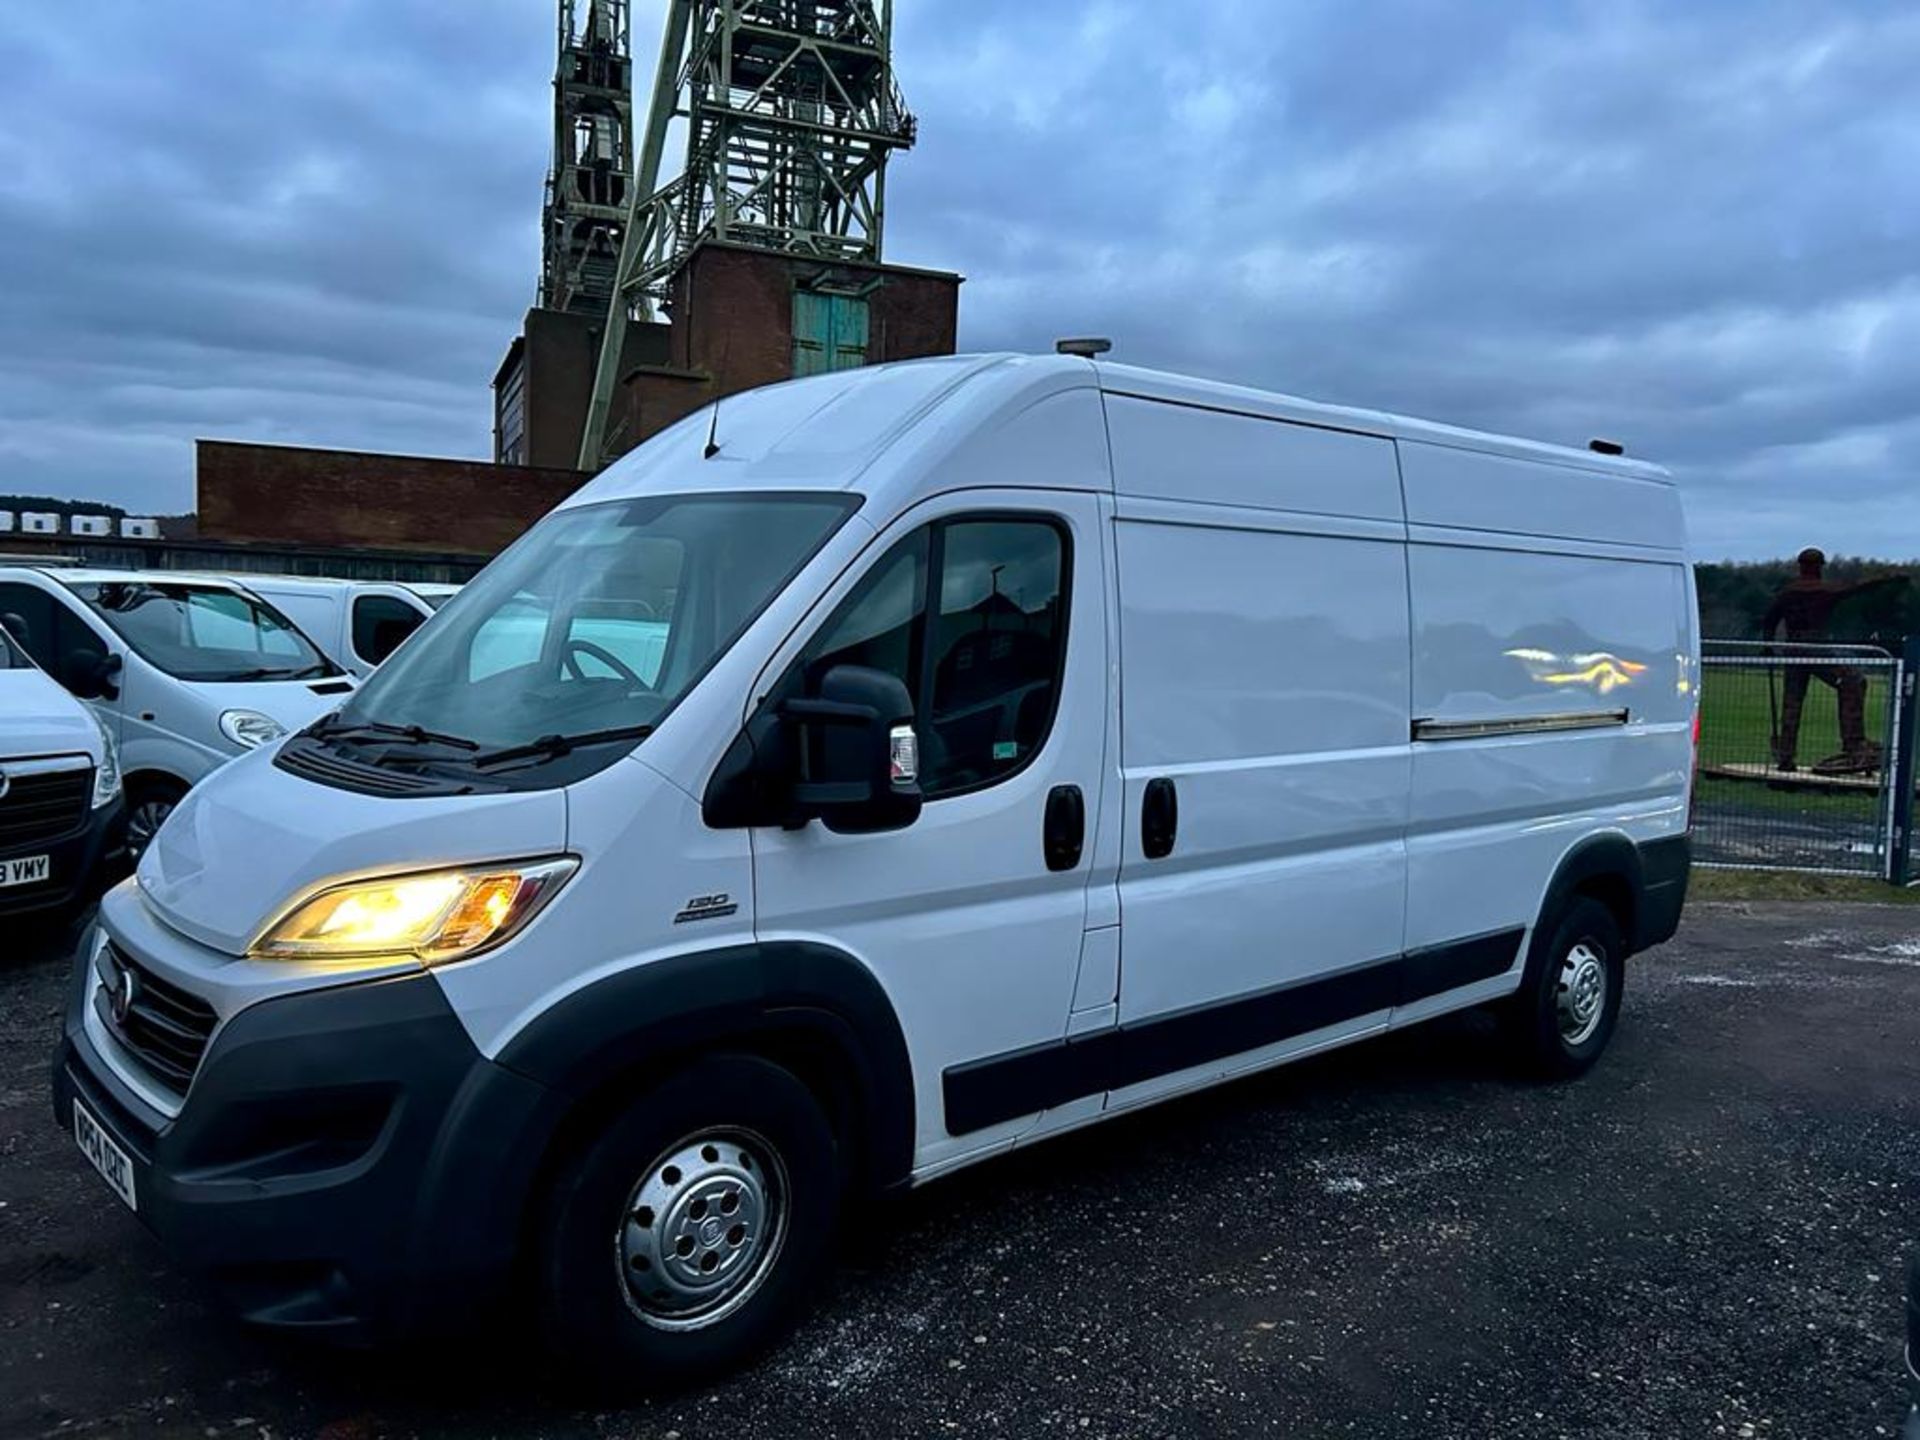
x: 380, y: 623
x: 27, y: 613
x: 983, y: 664
x: 998, y: 643
x: 878, y: 625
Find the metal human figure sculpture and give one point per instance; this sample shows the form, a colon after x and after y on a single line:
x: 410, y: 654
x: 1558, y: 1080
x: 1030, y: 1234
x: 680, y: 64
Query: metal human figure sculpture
x: 1804, y: 607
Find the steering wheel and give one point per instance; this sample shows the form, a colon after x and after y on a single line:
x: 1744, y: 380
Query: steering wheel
x: 576, y: 647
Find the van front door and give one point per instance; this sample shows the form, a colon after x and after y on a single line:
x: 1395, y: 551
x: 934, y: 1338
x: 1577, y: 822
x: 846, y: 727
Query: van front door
x: 990, y: 607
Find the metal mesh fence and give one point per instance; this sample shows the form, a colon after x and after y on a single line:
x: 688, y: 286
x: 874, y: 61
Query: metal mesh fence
x: 1794, y: 757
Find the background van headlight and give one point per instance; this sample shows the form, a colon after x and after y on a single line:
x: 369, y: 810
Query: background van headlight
x: 432, y: 916
x: 249, y: 729
x: 106, y: 775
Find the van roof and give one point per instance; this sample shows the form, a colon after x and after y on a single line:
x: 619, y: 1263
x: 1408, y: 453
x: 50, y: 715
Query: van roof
x: 90, y: 574
x: 1244, y: 400
x: 823, y: 432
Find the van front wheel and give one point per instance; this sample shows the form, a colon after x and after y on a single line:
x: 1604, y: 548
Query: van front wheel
x: 1569, y: 1003
x: 149, y: 803
x: 688, y: 1234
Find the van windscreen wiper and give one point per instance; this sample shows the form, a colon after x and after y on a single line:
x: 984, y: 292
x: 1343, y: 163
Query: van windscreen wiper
x: 548, y: 747
x: 330, y: 729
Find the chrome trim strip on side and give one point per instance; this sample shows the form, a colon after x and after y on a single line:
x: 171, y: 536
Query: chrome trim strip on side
x: 51, y: 765
x: 1517, y: 725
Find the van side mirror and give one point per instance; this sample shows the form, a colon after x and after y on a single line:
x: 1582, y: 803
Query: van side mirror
x: 846, y: 755
x: 91, y: 674
x: 857, y: 758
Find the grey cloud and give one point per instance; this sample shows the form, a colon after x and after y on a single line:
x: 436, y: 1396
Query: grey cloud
x: 1690, y: 224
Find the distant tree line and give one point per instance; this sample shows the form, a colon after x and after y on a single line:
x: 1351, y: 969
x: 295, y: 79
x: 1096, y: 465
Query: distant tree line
x: 1734, y: 597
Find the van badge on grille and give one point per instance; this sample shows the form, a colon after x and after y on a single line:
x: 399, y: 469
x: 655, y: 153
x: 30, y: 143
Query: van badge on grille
x: 122, y: 986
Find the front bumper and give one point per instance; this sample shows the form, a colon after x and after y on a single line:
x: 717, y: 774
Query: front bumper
x: 78, y: 864
x: 345, y: 1161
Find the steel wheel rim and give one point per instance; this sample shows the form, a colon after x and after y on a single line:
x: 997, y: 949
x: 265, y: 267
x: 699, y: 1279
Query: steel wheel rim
x: 145, y: 822
x: 703, y: 1228
x: 1580, y: 996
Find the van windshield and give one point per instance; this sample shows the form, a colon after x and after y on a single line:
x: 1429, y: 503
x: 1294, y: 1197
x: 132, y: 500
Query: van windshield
x: 588, y: 630
x: 204, y: 632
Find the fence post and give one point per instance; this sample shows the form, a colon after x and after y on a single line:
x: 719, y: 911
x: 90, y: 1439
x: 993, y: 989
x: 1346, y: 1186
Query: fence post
x: 1902, y: 766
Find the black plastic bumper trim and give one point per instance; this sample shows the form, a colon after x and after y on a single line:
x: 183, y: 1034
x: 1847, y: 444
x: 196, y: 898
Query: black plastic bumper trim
x: 1003, y: 1087
x: 346, y: 1162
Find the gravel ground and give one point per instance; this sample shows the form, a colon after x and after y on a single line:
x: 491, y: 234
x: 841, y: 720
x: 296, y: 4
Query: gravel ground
x: 1703, y: 1237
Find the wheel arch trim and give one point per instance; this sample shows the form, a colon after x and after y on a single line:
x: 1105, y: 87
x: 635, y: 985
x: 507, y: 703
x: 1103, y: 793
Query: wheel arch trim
x: 755, y: 995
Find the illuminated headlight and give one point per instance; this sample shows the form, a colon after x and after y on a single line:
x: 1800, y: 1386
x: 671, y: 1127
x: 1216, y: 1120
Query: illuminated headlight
x: 433, y: 916
x: 106, y: 775
x: 249, y: 729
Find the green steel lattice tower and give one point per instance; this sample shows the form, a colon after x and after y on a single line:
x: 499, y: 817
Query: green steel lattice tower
x: 789, y: 111
x: 589, y: 187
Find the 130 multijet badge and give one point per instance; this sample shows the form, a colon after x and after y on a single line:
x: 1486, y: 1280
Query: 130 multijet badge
x: 707, y: 907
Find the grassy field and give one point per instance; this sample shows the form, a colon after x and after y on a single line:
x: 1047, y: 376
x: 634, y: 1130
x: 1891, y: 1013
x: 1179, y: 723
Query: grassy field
x: 1786, y: 885
x: 1736, y: 724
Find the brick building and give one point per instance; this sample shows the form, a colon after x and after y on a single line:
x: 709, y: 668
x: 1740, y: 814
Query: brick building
x: 741, y: 318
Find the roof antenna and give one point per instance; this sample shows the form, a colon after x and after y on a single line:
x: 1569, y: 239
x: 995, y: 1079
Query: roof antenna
x: 713, y: 431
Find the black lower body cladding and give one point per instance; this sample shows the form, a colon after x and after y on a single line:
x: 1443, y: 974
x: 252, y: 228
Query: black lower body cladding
x: 1664, y: 868
x: 348, y: 1163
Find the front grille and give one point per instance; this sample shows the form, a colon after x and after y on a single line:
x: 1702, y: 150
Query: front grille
x: 160, y: 1025
x: 44, y: 806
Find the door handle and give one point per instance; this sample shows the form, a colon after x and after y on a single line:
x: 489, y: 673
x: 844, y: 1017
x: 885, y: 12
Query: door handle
x: 1159, y: 818
x: 1065, y: 830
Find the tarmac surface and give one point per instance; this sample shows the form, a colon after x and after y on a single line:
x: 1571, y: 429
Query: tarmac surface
x: 1703, y: 1237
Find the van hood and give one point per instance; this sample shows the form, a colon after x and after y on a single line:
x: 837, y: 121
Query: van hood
x: 37, y: 717
x: 294, y: 703
x: 250, y: 838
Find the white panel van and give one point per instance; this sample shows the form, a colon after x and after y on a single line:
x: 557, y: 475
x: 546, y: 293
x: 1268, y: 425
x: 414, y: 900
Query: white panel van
x: 60, y: 811
x: 185, y: 672
x: 860, y: 779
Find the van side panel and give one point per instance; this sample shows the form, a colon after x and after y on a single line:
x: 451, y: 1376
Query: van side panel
x: 1180, y: 452
x: 1264, y: 674
x: 1468, y: 490
x: 1564, y: 631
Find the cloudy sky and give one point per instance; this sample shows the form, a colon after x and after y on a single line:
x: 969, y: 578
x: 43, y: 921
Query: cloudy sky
x: 1694, y: 225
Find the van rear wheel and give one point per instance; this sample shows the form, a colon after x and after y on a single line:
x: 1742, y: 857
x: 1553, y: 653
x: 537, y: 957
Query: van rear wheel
x: 1568, y: 1004
x: 688, y: 1234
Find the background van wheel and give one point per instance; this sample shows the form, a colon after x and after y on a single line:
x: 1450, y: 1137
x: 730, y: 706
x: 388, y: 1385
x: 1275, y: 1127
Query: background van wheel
x: 1569, y: 1002
x: 688, y: 1234
x: 149, y: 802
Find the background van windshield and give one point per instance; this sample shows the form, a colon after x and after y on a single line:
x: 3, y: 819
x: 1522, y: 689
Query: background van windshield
x: 201, y: 632
x: 599, y: 618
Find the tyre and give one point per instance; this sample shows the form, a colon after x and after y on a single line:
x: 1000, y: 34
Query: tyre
x: 1569, y: 1002
x: 688, y: 1233
x: 149, y: 802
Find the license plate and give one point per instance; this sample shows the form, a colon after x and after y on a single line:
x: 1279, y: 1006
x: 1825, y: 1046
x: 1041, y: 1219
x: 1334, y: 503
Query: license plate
x: 27, y: 870
x: 106, y: 1157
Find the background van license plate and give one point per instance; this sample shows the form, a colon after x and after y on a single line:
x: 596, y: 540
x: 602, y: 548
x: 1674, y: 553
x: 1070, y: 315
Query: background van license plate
x: 108, y: 1158
x: 27, y: 870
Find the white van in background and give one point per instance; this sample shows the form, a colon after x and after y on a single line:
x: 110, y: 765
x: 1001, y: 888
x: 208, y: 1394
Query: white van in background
x: 888, y: 769
x: 186, y: 672
x: 358, y: 623
x: 60, y: 811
